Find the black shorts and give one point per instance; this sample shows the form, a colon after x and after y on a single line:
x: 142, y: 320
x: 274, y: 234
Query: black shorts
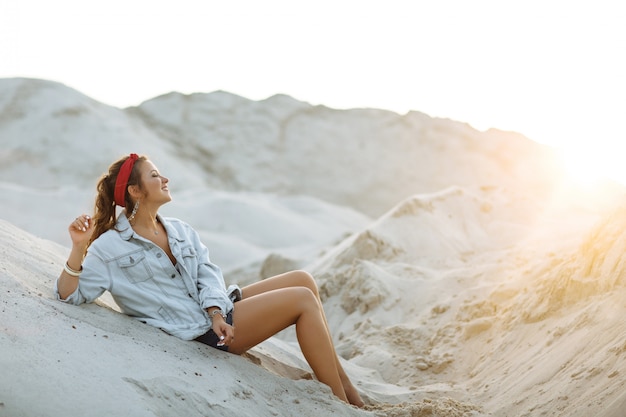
x: 211, y: 339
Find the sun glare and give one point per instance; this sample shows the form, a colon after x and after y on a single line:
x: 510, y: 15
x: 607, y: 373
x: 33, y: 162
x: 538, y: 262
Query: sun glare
x: 591, y: 165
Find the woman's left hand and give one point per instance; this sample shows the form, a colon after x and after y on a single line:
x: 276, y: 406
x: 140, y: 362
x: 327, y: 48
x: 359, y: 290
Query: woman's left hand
x: 224, y: 331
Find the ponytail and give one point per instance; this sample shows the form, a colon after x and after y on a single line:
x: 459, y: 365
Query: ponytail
x: 104, y: 213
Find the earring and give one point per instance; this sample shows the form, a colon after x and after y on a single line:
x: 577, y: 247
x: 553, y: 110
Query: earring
x: 132, y: 214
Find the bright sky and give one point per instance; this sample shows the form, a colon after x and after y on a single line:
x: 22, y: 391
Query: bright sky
x: 552, y: 70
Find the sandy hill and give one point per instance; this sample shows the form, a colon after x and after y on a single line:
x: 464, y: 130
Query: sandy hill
x: 367, y: 159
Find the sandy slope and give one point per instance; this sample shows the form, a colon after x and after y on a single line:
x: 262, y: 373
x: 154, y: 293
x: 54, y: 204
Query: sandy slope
x: 60, y: 360
x: 486, y: 297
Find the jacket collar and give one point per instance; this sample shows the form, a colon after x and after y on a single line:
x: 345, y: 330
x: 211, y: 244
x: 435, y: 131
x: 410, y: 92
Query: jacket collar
x: 126, y: 231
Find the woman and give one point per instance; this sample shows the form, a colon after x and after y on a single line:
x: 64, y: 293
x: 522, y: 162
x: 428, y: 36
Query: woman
x: 159, y: 272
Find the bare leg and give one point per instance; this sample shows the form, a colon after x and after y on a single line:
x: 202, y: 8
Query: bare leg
x: 261, y: 316
x: 304, y: 279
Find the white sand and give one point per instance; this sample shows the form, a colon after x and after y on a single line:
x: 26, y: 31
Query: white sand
x: 488, y: 293
x: 60, y: 360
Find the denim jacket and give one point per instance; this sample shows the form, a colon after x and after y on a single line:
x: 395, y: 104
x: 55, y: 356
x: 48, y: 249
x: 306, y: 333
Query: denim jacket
x: 148, y: 286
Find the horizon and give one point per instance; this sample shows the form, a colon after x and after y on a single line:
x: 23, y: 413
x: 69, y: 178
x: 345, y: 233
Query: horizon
x: 550, y: 71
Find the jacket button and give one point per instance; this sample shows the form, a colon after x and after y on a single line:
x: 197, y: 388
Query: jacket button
x: 159, y: 255
x: 173, y: 275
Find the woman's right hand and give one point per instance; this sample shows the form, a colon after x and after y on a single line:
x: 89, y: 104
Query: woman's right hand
x: 81, y: 230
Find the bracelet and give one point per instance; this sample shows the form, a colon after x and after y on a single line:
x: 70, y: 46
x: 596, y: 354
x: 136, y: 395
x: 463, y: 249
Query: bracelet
x: 217, y: 311
x: 71, y: 271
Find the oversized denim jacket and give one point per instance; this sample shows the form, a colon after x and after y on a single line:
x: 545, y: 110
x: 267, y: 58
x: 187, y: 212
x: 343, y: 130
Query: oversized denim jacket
x: 146, y: 285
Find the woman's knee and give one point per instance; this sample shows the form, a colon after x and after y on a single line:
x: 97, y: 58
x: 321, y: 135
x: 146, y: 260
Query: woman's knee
x: 305, y: 297
x: 304, y: 279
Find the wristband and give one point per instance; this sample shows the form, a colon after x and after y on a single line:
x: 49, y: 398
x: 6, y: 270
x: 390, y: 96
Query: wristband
x: 71, y: 271
x: 217, y: 311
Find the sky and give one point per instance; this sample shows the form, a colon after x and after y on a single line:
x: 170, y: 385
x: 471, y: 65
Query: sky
x: 552, y: 70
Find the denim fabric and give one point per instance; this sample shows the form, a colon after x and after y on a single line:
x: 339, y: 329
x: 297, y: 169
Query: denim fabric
x: 148, y: 286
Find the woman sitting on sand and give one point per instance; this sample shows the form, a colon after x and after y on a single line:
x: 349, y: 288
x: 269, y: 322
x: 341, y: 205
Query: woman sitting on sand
x: 159, y: 272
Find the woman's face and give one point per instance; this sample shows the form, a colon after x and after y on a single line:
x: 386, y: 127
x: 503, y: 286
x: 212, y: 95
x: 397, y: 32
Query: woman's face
x: 154, y: 184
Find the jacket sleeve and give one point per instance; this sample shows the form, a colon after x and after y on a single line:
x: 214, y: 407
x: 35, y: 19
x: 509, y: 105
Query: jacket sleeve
x: 211, y: 286
x: 93, y: 281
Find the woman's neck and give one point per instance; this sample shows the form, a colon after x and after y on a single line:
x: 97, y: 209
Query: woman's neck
x: 146, y: 220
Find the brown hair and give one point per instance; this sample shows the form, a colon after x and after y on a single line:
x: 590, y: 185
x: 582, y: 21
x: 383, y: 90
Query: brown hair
x: 104, y: 214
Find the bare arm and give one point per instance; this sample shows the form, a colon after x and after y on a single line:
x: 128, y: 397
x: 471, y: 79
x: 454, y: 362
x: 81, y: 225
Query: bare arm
x: 80, y: 232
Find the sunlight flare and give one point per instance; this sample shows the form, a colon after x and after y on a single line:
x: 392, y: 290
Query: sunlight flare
x: 594, y: 163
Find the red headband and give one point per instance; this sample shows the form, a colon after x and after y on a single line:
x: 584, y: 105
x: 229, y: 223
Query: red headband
x: 122, y: 179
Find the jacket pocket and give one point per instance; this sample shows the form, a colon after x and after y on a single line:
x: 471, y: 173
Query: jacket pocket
x: 170, y: 317
x: 190, y: 258
x: 135, y: 267
x: 166, y: 315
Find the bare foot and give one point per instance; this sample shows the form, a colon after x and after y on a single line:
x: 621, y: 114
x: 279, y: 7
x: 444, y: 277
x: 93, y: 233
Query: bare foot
x: 353, y: 395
